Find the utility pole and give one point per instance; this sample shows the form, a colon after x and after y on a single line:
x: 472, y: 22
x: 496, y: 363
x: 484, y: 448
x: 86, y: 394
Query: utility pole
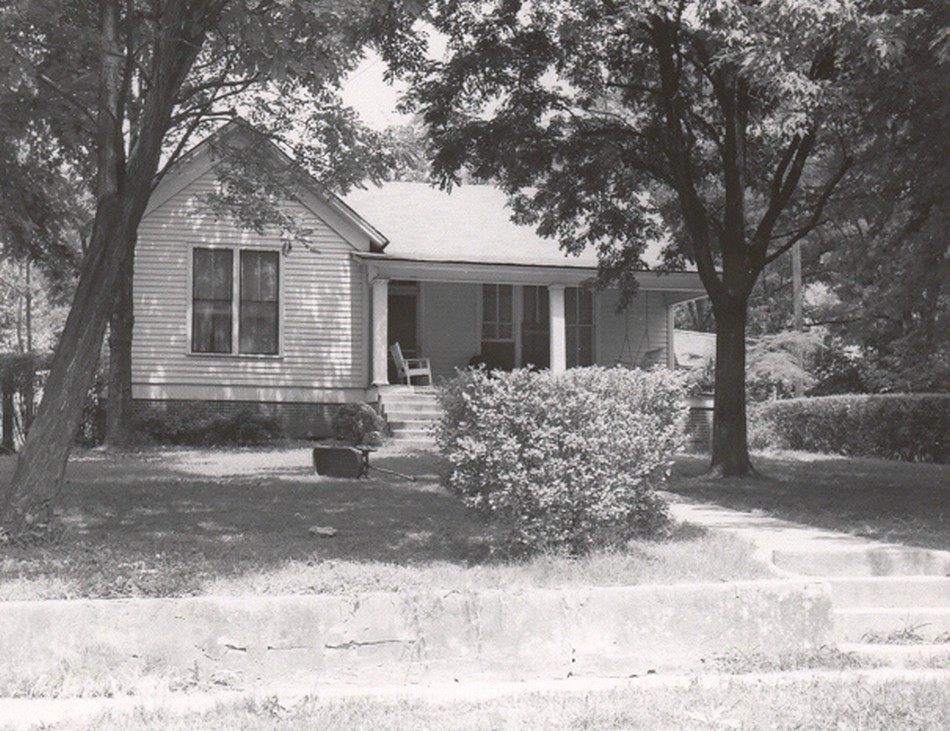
x: 799, y: 320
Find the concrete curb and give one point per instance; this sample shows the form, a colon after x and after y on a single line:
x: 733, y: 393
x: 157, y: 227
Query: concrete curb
x: 413, y: 637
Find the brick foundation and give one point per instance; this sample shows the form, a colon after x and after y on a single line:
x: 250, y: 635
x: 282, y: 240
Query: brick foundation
x: 298, y: 420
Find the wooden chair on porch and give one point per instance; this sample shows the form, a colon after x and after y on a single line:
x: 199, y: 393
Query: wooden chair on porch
x: 409, y: 368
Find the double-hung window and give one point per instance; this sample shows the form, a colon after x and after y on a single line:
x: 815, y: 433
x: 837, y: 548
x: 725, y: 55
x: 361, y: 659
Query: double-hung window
x: 497, y: 312
x: 235, y: 307
x: 579, y: 326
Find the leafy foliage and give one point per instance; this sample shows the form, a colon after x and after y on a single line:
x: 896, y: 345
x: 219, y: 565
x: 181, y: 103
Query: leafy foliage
x: 565, y: 462
x: 912, y: 427
x: 198, y: 424
x: 721, y: 128
x: 358, y: 423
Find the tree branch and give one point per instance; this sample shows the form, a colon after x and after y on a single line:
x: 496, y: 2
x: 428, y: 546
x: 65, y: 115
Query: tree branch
x: 815, y: 217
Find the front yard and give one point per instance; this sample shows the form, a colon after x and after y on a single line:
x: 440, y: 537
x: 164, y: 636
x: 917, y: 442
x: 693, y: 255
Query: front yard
x: 903, y: 502
x: 189, y: 521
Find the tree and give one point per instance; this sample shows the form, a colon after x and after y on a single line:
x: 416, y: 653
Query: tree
x: 886, y: 258
x: 722, y: 125
x: 145, y: 77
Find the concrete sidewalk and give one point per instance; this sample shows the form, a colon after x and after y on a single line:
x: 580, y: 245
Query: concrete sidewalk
x: 800, y: 550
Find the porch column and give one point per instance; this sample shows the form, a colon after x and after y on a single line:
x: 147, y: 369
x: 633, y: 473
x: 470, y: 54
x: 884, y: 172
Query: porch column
x: 558, y: 334
x: 380, y: 332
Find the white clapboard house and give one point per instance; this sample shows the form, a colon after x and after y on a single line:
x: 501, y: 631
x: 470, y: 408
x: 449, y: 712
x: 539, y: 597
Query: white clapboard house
x: 223, y: 316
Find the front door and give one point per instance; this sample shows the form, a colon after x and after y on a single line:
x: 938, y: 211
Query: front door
x: 536, y: 328
x: 403, y: 321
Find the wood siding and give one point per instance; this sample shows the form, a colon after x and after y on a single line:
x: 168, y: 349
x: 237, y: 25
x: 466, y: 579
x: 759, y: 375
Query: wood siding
x: 636, y: 337
x: 323, y: 314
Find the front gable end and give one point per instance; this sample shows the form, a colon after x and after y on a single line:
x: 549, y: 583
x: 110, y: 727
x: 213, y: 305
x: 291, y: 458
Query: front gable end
x: 223, y: 313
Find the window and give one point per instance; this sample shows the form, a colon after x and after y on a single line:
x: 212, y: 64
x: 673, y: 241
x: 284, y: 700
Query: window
x: 217, y: 287
x: 579, y: 326
x: 497, y: 317
x: 259, y: 311
x: 213, y: 292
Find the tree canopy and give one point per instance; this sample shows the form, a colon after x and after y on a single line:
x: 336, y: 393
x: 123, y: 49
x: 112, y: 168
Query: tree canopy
x: 725, y: 128
x: 144, y: 79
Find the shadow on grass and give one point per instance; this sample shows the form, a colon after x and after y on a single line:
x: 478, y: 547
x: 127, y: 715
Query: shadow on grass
x: 168, y: 521
x: 903, y: 502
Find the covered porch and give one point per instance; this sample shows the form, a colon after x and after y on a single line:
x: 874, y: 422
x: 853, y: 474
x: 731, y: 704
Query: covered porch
x: 515, y: 314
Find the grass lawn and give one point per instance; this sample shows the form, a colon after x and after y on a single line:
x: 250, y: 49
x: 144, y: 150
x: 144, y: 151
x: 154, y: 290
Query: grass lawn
x: 184, y: 522
x: 904, y: 502
x: 819, y: 703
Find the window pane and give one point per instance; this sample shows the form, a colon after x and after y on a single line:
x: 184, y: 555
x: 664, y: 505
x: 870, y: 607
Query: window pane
x: 585, y: 307
x: 211, y: 327
x: 211, y: 306
x: 489, y: 303
x: 505, y: 297
x: 258, y: 330
x: 259, y: 276
x: 250, y: 277
x: 212, y: 274
x: 505, y: 331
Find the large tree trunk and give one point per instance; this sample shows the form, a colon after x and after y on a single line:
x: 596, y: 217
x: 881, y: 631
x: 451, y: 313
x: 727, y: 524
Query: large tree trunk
x: 42, y: 460
x: 119, y: 427
x: 8, y: 446
x: 730, y: 451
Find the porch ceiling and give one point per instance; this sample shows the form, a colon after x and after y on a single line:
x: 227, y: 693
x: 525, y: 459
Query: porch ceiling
x: 679, y: 286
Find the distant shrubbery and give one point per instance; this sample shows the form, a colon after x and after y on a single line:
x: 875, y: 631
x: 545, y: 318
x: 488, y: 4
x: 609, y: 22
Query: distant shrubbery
x: 911, y: 427
x: 197, y: 424
x: 358, y: 423
x: 568, y: 461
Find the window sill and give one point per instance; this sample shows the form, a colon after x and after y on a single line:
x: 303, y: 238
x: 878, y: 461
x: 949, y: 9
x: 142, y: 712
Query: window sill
x: 234, y: 356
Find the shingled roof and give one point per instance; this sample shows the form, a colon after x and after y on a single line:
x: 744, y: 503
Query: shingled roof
x: 470, y: 224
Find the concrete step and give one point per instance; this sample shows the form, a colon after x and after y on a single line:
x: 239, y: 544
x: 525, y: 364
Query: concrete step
x: 413, y: 434
x: 855, y: 625
x: 864, y: 561
x: 425, y: 444
x: 890, y: 592
x: 402, y: 412
x: 411, y: 424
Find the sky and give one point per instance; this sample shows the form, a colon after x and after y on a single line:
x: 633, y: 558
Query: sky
x: 374, y: 99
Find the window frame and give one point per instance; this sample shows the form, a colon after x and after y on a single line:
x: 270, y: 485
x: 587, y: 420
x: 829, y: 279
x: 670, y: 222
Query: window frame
x: 497, y: 323
x: 235, y: 303
x: 578, y: 327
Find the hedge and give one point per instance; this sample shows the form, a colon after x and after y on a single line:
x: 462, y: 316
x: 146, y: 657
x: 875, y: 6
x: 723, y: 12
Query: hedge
x: 567, y: 461
x: 909, y: 427
x: 196, y: 424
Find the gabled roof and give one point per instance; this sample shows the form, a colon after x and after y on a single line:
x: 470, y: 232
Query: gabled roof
x: 198, y: 160
x: 470, y: 224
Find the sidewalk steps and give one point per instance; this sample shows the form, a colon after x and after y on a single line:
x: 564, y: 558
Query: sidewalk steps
x: 865, y: 561
x: 891, y: 592
x: 900, y: 656
x: 854, y: 625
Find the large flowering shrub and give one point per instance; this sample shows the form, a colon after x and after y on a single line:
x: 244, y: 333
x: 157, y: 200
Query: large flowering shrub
x: 567, y: 461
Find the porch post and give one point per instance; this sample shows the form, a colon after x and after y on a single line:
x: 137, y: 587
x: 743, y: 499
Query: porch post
x: 380, y: 332
x: 558, y: 334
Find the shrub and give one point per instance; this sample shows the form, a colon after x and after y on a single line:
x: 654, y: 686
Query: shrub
x: 910, y: 427
x: 358, y: 423
x: 197, y: 424
x: 567, y: 461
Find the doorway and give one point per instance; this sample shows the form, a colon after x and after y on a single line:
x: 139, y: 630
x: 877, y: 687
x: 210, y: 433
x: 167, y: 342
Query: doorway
x: 403, y: 303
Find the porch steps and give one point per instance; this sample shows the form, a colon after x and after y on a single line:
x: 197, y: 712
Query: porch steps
x: 411, y: 413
